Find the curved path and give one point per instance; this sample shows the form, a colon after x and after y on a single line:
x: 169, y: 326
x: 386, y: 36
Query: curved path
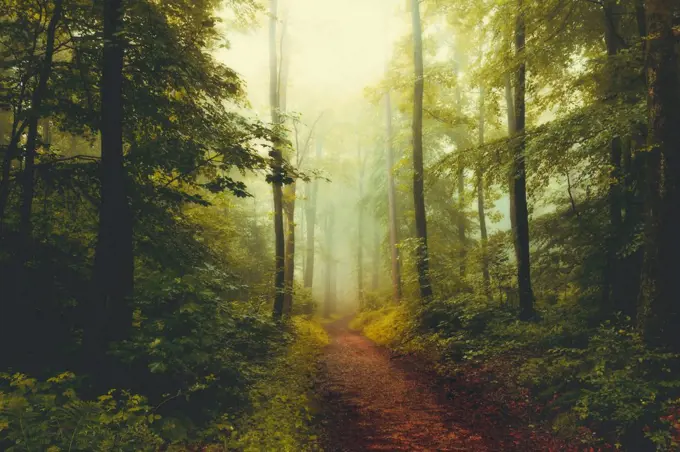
x: 374, y: 402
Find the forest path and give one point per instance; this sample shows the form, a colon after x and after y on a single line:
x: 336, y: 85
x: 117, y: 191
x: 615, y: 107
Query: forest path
x: 372, y: 402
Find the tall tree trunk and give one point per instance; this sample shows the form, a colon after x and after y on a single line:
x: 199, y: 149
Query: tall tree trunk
x: 392, y: 202
x: 422, y: 258
x: 512, y: 129
x: 28, y: 177
x: 277, y: 166
x: 660, y: 291
x: 113, y: 263
x: 611, y: 288
x: 289, y: 207
x: 480, y: 202
x: 526, y: 296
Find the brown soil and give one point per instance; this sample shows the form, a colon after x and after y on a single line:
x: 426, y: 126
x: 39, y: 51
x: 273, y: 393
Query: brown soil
x: 372, y: 402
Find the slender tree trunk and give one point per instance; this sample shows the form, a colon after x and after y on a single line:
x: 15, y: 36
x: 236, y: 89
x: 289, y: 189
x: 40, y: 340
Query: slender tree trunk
x: 360, y: 232
x: 329, y: 298
x: 392, y: 203
x: 660, y: 292
x: 462, y: 145
x: 311, y: 205
x: 526, y: 296
x: 512, y: 129
x: 310, y: 218
x: 462, y: 240
x: 422, y: 258
x: 28, y: 177
x: 480, y: 202
x: 289, y: 207
x: 113, y: 263
x: 375, y: 282
x: 277, y: 167
x: 611, y: 288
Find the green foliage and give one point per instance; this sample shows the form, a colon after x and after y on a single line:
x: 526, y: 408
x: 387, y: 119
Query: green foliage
x: 49, y: 415
x: 282, y: 415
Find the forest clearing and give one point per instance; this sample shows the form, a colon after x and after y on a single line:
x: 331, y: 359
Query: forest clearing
x: 323, y: 225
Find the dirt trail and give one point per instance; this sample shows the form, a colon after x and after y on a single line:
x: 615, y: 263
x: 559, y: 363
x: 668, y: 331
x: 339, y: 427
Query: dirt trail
x: 372, y: 403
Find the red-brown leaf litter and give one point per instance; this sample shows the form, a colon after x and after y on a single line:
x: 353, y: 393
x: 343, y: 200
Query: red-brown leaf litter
x: 374, y: 401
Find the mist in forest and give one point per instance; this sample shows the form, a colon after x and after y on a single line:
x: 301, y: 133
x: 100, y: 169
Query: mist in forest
x: 306, y: 225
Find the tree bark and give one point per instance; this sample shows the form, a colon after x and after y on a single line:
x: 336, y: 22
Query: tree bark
x: 480, y: 203
x: 526, y: 296
x: 392, y: 203
x: 113, y: 263
x: 422, y: 258
x: 660, y: 291
x: 277, y: 167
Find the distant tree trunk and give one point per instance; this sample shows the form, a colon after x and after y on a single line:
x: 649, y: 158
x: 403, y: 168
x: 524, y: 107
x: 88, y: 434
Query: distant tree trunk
x: 311, y: 206
x: 611, y: 288
x: 526, y: 296
x: 660, y: 291
x: 277, y: 167
x: 462, y: 145
x: 28, y: 177
x: 422, y: 258
x: 289, y: 193
x: 375, y: 282
x: 462, y: 253
x: 392, y: 203
x: 512, y: 129
x: 329, y: 298
x: 360, y: 231
x: 113, y: 263
x: 480, y: 203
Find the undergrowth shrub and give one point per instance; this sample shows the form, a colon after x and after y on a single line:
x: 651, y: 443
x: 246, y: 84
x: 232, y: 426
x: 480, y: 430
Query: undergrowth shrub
x: 282, y: 418
x: 275, y: 412
x: 601, y: 376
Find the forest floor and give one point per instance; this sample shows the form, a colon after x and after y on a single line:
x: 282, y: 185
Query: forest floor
x: 373, y: 400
